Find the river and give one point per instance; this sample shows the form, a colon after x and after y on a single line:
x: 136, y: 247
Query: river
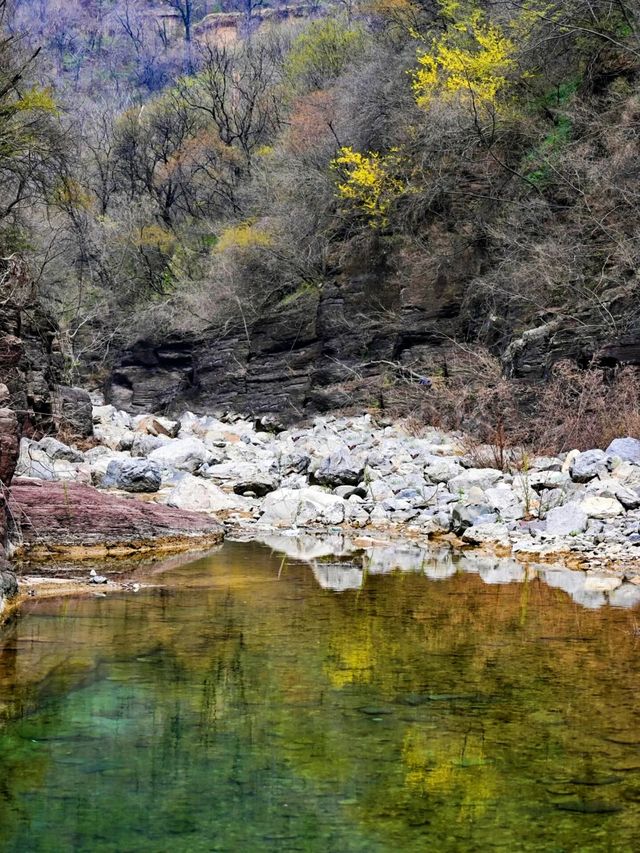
x: 241, y: 705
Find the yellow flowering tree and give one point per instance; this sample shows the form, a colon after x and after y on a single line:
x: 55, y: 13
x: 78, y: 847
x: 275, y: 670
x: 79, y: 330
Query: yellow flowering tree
x: 368, y: 182
x: 245, y: 235
x: 472, y: 60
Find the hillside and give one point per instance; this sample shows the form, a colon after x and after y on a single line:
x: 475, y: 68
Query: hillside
x: 411, y: 206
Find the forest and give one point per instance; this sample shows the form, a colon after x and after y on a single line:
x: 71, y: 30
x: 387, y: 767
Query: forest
x: 178, y: 165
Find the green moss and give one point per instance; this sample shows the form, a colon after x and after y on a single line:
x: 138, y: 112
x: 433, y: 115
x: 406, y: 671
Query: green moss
x: 304, y: 290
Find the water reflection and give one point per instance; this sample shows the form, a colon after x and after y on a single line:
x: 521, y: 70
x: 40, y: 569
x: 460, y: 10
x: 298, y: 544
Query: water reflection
x: 444, y: 706
x: 438, y: 563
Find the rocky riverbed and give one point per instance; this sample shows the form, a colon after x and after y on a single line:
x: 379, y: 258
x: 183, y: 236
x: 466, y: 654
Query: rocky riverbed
x: 338, y: 473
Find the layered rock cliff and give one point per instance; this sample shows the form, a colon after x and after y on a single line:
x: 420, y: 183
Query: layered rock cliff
x: 343, y: 345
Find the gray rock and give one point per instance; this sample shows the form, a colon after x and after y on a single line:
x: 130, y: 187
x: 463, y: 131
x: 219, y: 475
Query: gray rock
x: 339, y: 468
x: 258, y: 486
x: 8, y: 584
x: 34, y: 462
x: 566, y: 520
x: 348, y: 491
x: 482, y: 478
x: 143, y: 445
x: 288, y: 507
x: 484, y: 532
x: 627, y: 449
x: 198, y: 495
x: 442, y: 470
x: 57, y: 450
x: 465, y: 516
x: 133, y: 475
x: 588, y: 465
x: 183, y: 454
x: 546, y: 463
x: 598, y: 507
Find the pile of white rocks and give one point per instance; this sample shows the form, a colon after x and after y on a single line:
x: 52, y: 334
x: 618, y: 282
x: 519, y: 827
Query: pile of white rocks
x: 357, y: 473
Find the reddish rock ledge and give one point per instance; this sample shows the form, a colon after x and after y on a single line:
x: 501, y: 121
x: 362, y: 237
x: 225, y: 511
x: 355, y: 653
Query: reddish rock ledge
x: 54, y: 518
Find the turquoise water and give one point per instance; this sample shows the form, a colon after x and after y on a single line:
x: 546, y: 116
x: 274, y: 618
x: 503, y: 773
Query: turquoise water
x: 242, y: 707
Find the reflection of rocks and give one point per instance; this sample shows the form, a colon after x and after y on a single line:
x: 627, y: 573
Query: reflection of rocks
x: 337, y: 577
x: 307, y: 547
x: 493, y: 570
x: 397, y: 558
x: 589, y: 589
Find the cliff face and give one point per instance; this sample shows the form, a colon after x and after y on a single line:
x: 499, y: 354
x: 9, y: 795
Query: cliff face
x: 316, y: 350
x: 32, y: 399
x: 339, y: 346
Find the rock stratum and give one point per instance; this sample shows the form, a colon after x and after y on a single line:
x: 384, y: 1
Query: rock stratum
x: 342, y: 346
x: 82, y: 522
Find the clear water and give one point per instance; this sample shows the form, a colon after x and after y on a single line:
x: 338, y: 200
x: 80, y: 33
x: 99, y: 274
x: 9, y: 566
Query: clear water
x: 242, y: 707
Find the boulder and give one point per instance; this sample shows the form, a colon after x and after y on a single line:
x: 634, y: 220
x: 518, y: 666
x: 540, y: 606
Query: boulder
x: 108, y: 414
x: 566, y: 520
x: 194, y: 493
x: 339, y: 468
x: 132, y: 475
x: 99, y: 459
x: 156, y: 425
x: 482, y: 478
x: 442, y: 470
x: 72, y: 411
x: 114, y: 436
x: 610, y: 487
x: 258, y: 486
x: 628, y: 474
x: 57, y: 450
x: 182, y: 454
x: 34, y: 462
x: 480, y: 534
x: 289, y: 507
x: 465, y: 516
x: 143, y: 445
x: 295, y: 462
x: 627, y: 449
x: 594, y: 506
x: 8, y: 586
x: 585, y: 466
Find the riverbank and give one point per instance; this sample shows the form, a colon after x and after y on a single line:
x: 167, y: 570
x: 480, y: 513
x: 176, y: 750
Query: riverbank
x: 355, y: 475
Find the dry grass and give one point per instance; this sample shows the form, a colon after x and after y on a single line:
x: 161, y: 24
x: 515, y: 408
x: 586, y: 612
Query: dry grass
x: 505, y: 419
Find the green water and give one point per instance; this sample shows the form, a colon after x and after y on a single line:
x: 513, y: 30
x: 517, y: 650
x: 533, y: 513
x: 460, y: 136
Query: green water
x: 241, y: 707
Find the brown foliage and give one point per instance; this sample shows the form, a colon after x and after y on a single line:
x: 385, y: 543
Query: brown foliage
x: 575, y: 409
